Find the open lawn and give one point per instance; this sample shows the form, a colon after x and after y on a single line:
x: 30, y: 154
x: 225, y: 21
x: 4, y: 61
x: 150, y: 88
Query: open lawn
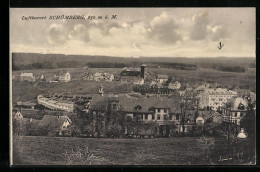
x: 31, y: 150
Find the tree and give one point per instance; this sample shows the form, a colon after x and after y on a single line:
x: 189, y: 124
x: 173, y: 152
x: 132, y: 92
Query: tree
x: 186, y: 101
x: 248, y: 122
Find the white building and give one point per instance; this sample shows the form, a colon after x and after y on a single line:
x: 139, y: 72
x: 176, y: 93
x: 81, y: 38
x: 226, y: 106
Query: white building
x: 215, y: 98
x: 65, y: 77
x: 27, y: 77
x: 55, y: 105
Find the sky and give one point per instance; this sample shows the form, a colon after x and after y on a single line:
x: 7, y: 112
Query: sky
x: 149, y: 32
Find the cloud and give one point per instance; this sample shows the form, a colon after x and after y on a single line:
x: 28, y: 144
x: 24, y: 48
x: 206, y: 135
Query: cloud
x: 79, y: 32
x: 56, y: 34
x: 164, y: 28
x: 218, y: 32
x: 199, y: 29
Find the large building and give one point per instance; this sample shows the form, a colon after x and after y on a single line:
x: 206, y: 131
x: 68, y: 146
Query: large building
x: 56, y: 103
x: 215, y: 98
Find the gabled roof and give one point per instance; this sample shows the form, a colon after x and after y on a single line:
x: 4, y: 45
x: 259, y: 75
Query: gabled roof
x: 53, y: 122
x: 235, y: 102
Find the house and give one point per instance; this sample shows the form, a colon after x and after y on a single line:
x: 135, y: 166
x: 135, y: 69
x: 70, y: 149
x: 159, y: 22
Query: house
x: 55, y: 125
x: 161, y: 78
x: 205, y: 115
x: 138, y: 81
x: 109, y: 77
x: 88, y: 76
x: 161, y: 111
x: 98, y: 76
x: 215, y: 98
x: 174, y: 85
x: 235, y: 109
x: 42, y: 77
x: 18, y: 115
x: 29, y: 77
x: 63, y: 76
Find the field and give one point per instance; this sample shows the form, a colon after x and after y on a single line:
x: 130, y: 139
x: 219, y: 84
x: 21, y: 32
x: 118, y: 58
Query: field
x: 28, y: 91
x: 29, y: 150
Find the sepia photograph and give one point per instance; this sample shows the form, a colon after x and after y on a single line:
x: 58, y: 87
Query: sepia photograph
x: 132, y: 86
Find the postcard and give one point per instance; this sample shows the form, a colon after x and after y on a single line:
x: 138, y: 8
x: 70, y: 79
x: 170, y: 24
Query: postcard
x: 133, y: 86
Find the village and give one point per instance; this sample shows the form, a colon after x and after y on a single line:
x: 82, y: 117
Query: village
x: 154, y: 105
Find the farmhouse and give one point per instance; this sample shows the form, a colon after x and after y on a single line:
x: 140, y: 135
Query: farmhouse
x: 27, y: 77
x: 55, y: 125
x: 63, y: 76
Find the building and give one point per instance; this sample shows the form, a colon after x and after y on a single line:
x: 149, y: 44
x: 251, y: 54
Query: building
x: 138, y: 81
x: 64, y: 77
x: 18, y: 115
x: 109, y: 77
x: 29, y: 77
x: 98, y: 76
x: 161, y: 78
x: 55, y: 125
x: 160, y: 111
x: 215, y: 98
x: 56, y: 103
x: 234, y: 110
x: 174, y: 85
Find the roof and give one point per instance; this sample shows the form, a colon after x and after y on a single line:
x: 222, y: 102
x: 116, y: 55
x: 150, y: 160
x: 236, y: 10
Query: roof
x: 129, y: 103
x: 61, y: 73
x: 220, y: 91
x: 53, y: 122
x: 160, y: 76
x: 27, y: 74
x: 235, y: 102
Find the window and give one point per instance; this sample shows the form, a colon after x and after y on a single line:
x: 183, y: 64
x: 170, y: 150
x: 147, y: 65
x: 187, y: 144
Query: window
x: 235, y: 114
x: 177, y: 116
x: 158, y: 117
x: 165, y: 117
x: 159, y: 110
x: 152, y: 116
x: 146, y: 116
x: 165, y: 110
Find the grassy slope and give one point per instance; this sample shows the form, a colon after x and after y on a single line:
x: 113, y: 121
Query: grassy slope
x: 30, y: 150
x: 47, y: 150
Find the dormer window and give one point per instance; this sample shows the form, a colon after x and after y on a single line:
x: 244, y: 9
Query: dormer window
x: 138, y: 107
x: 241, y: 106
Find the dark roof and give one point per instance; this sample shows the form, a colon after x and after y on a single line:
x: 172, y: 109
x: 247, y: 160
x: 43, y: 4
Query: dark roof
x: 53, y: 122
x: 129, y: 103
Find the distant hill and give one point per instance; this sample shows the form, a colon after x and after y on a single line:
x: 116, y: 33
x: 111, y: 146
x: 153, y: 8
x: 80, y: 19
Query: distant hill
x: 22, y: 61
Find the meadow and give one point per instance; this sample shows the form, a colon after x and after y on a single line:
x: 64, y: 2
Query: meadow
x: 32, y: 150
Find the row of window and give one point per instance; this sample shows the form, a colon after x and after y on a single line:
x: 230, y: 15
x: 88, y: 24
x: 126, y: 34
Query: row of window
x: 159, y: 117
